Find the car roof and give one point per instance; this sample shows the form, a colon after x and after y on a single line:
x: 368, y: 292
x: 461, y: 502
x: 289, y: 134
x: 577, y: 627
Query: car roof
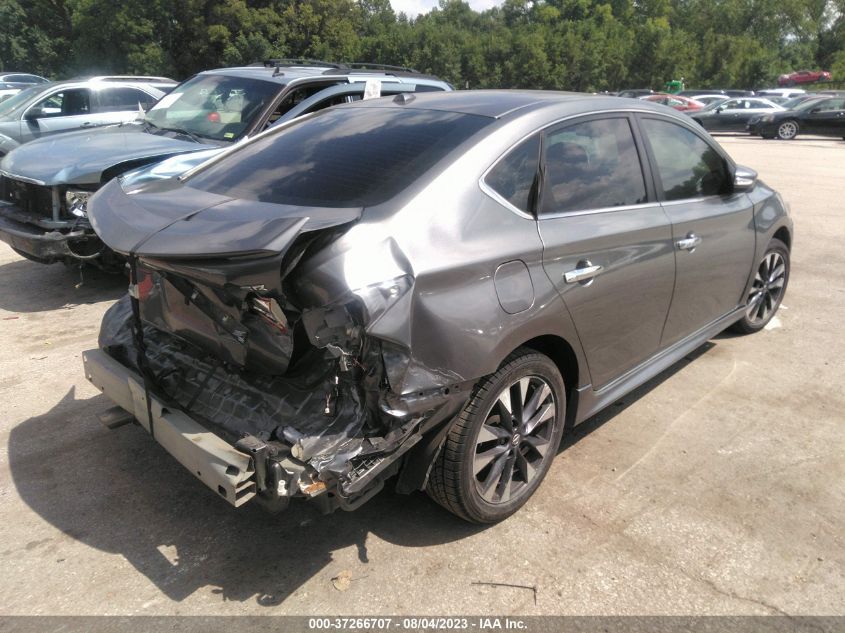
x: 87, y: 83
x: 500, y: 103
x: 11, y: 72
x: 284, y: 74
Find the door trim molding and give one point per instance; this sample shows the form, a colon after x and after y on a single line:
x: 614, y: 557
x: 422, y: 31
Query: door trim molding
x: 591, y: 401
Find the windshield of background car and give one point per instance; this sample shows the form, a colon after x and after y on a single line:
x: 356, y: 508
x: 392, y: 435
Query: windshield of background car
x: 809, y: 103
x: 10, y: 105
x: 794, y: 101
x: 346, y: 157
x: 218, y: 107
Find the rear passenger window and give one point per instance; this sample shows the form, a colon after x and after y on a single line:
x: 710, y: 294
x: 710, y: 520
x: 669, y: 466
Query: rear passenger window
x: 688, y: 166
x: 513, y: 176
x: 123, y: 99
x: 592, y: 165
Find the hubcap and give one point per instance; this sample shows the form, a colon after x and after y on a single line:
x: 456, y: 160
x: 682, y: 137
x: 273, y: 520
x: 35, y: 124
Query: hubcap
x: 514, y: 440
x: 788, y: 129
x: 767, y: 289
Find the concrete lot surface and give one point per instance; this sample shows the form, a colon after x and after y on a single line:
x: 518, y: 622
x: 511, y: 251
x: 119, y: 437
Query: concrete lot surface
x: 719, y: 488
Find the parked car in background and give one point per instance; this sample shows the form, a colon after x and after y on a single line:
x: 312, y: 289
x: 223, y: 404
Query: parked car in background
x: 789, y: 104
x: 729, y: 92
x: 709, y: 99
x: 733, y: 115
x: 46, y: 183
x: 679, y: 103
x: 13, y: 83
x: 824, y: 116
x: 291, y: 296
x: 695, y: 92
x: 165, y: 84
x: 46, y: 109
x: 803, y: 77
x: 781, y: 92
x: 20, y: 80
x: 635, y: 93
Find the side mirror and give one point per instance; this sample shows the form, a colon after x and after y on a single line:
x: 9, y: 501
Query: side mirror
x: 815, y: 110
x: 744, y: 179
x: 719, y: 109
x: 33, y: 113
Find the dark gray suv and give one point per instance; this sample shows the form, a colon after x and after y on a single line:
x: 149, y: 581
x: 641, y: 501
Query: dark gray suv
x: 431, y: 286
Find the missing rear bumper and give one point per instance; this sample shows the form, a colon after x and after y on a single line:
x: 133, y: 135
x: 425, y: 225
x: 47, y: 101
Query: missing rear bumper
x: 228, y: 472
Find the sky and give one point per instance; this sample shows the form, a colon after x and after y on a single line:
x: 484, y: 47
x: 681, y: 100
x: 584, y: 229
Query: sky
x: 414, y: 7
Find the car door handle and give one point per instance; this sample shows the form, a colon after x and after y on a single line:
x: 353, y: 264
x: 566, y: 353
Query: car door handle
x: 689, y: 243
x: 86, y: 124
x: 585, y: 272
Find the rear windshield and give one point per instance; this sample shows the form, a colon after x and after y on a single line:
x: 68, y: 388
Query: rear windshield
x: 345, y: 157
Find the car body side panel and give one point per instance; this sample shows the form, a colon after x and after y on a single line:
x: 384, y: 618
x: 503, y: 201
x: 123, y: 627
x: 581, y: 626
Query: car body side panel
x: 770, y: 216
x: 451, y: 318
x: 827, y: 122
x: 710, y: 279
x: 619, y: 315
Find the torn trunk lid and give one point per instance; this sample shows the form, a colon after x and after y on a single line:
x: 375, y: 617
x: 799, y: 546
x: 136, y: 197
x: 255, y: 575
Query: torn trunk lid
x: 209, y: 267
x: 169, y: 220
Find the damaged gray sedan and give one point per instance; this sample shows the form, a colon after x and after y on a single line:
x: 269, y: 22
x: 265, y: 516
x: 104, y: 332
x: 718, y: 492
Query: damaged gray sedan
x: 431, y: 287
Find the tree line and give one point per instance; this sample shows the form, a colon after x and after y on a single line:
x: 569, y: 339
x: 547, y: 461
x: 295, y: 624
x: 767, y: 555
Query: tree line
x: 582, y: 45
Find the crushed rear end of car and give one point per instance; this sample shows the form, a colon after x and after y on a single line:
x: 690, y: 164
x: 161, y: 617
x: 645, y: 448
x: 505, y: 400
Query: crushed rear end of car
x: 261, y: 355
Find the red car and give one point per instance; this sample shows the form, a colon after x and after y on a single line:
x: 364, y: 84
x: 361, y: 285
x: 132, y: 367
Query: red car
x: 803, y: 77
x: 683, y: 104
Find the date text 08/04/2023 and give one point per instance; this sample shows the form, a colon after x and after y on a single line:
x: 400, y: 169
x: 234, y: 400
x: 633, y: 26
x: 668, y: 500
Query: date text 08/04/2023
x: 416, y: 623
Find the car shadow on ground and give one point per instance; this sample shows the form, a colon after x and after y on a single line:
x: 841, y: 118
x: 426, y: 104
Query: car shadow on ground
x: 26, y: 286
x: 119, y: 492
x: 608, y: 413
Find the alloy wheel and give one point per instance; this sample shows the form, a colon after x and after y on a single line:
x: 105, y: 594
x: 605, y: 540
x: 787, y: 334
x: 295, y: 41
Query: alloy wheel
x: 788, y: 130
x: 515, y: 440
x: 767, y: 288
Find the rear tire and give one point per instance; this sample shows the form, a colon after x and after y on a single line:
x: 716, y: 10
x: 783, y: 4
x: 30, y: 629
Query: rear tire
x: 770, y: 280
x: 501, y: 445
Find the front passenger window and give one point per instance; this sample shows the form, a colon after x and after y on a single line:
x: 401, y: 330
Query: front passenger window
x: 66, y: 103
x: 687, y: 165
x: 591, y: 165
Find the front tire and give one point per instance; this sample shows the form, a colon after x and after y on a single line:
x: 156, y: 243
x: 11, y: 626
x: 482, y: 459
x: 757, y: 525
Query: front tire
x: 767, y: 289
x: 502, y: 444
x: 788, y: 130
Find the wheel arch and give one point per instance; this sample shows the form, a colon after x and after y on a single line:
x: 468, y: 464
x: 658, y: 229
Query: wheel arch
x: 784, y: 236
x: 415, y: 469
x: 566, y: 357
x: 563, y: 355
